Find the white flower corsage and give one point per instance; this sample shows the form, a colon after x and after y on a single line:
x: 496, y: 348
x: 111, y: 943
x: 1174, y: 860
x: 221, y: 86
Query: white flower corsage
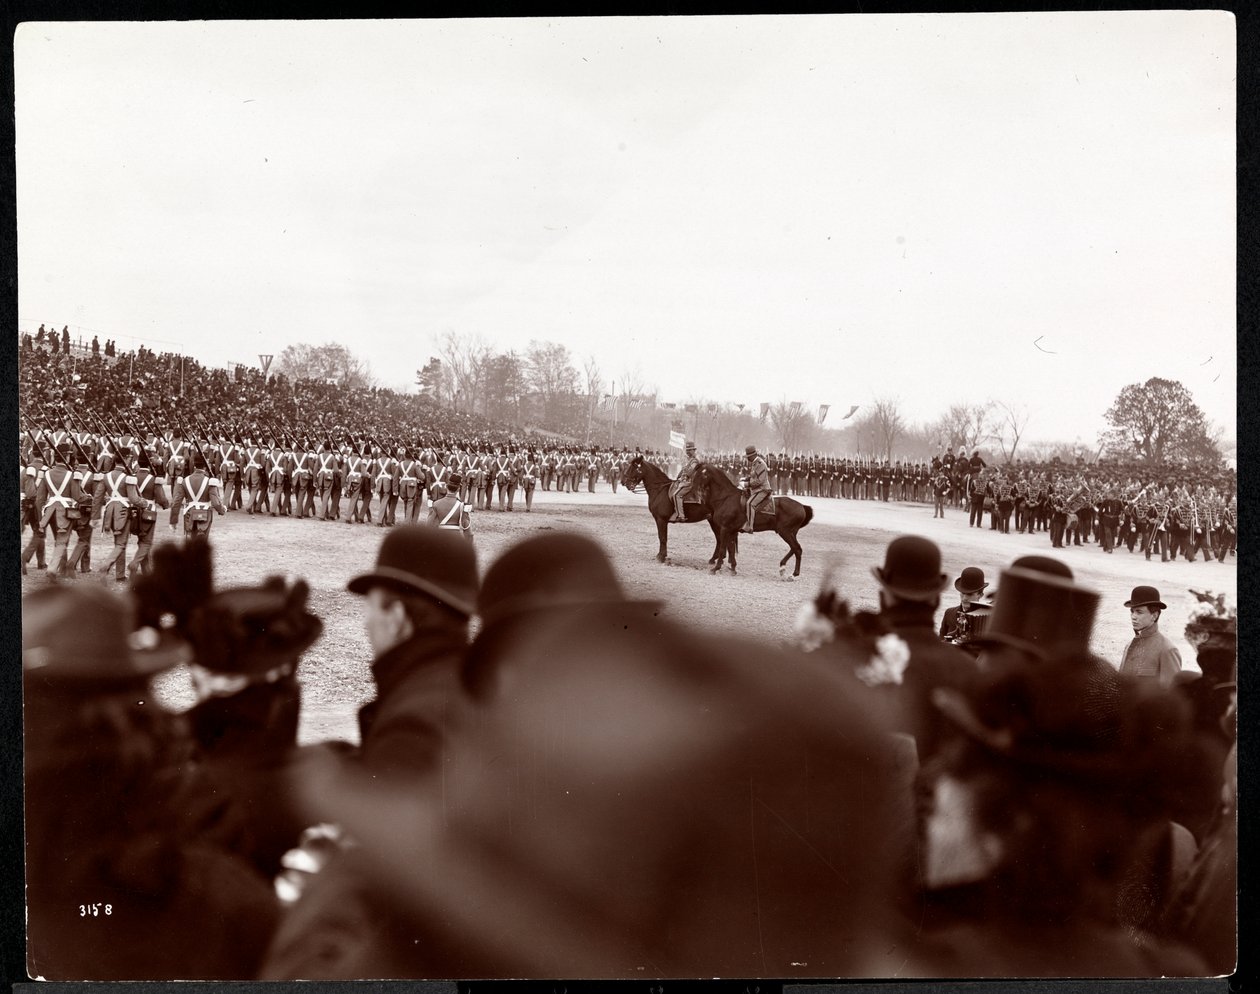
x: 889, y: 663
x: 813, y: 630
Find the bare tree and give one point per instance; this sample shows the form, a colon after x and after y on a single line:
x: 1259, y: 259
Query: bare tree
x: 964, y: 425
x: 1009, y: 423
x: 465, y: 356
x: 330, y: 362
x: 551, y: 373
x: 594, y: 381
x: 889, y: 424
x: 793, y: 424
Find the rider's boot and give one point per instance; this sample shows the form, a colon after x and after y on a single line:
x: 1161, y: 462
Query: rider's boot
x: 679, y: 514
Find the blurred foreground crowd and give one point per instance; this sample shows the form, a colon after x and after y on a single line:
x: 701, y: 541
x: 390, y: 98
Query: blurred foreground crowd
x: 557, y: 780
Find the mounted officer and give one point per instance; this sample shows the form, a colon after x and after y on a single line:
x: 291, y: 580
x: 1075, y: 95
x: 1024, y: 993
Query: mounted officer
x: 758, y: 485
x: 682, y: 486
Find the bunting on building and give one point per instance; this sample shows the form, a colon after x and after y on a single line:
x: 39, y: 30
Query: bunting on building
x: 822, y: 412
x: 765, y: 409
x: 796, y: 407
x: 850, y: 414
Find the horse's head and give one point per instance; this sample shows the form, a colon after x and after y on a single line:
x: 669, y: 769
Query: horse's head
x: 633, y: 475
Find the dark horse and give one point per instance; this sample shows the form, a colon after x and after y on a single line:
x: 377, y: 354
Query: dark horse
x: 726, y: 504
x: 656, y: 483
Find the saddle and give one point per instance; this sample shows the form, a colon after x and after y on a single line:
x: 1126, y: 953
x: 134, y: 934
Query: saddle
x: 766, y: 509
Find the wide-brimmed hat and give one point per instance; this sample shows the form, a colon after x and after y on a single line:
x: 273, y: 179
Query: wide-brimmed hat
x: 420, y: 560
x: 1040, y: 613
x: 912, y: 569
x: 84, y: 634
x: 971, y: 581
x: 547, y: 572
x: 1145, y: 597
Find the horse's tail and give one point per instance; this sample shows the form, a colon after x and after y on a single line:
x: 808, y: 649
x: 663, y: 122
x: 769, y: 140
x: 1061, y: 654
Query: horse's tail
x: 809, y: 515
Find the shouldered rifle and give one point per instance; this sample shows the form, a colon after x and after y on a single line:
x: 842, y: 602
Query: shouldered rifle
x: 74, y: 439
x: 122, y: 460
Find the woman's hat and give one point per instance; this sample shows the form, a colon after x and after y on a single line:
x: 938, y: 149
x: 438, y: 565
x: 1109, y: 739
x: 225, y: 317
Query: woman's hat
x: 252, y: 630
x: 1040, y: 613
x: 912, y: 569
x: 416, y: 559
x: 971, y: 581
x: 1145, y: 597
x: 83, y: 634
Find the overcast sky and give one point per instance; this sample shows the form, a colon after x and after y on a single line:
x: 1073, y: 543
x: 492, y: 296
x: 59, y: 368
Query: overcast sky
x: 1037, y: 207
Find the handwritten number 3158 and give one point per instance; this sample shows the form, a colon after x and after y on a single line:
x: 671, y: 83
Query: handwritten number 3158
x: 95, y: 910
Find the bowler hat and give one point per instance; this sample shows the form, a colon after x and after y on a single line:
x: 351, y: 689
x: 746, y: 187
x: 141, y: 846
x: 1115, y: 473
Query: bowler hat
x: 1145, y: 597
x: 422, y: 560
x: 1039, y: 613
x: 971, y: 581
x: 750, y: 450
x: 912, y: 569
x: 550, y: 571
x: 83, y: 634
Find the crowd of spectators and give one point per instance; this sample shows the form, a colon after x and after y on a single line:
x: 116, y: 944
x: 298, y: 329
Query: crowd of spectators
x: 583, y: 785
x: 159, y: 390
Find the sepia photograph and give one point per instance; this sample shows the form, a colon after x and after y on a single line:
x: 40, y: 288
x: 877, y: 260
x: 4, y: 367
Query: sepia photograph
x: 742, y: 497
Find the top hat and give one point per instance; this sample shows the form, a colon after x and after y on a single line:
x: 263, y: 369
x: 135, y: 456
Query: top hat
x: 83, y: 635
x: 1039, y: 613
x: 1043, y: 564
x: 912, y: 569
x: 421, y: 560
x: 547, y: 572
x: 971, y: 581
x: 1145, y: 597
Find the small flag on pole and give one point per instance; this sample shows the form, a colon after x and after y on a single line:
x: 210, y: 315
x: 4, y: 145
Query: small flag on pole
x: 796, y: 407
x: 676, y: 439
x: 765, y: 409
x: 850, y: 414
x: 822, y: 412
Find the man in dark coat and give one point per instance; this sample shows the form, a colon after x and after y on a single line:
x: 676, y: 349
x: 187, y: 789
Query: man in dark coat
x: 910, y: 583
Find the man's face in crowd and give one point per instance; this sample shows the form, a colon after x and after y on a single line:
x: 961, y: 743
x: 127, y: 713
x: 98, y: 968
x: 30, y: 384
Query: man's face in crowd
x: 1143, y: 617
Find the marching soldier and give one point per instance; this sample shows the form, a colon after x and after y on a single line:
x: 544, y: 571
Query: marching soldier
x: 592, y: 471
x: 32, y: 474
x: 196, y: 497
x: 277, y: 464
x: 302, y: 472
x: 1199, y: 532
x: 359, y: 487
x: 325, y: 474
x: 230, y: 473
x: 115, y: 493
x: 448, y: 512
x: 150, y: 496
x: 410, y: 481
x: 529, y: 477
x: 80, y: 554
x: 1059, y: 515
x: 385, y: 478
x: 1110, y: 509
x: 1157, y: 524
x: 255, y: 476
x: 503, y: 477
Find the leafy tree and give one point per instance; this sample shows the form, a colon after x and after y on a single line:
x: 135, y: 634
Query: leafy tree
x: 1158, y: 421
x: 330, y: 362
x: 434, y: 380
x: 504, y: 385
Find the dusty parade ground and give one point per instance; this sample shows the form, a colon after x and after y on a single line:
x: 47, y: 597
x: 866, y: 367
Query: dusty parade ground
x: 847, y: 535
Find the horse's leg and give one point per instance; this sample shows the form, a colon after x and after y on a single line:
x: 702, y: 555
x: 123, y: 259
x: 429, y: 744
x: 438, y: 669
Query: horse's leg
x: 662, y: 533
x: 717, y: 543
x: 721, y: 552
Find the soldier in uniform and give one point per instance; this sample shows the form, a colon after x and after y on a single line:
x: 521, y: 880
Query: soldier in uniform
x: 303, y: 475
x: 1005, y: 494
x: 32, y: 474
x: 1199, y: 532
x: 1058, y: 515
x: 255, y: 477
x: 359, y: 487
x: 1110, y: 508
x: 325, y: 474
x: 385, y: 475
x: 592, y: 472
x: 613, y: 471
x: 940, y: 491
x: 448, y: 512
x: 682, y: 485
x: 230, y: 474
x: 277, y: 469
x: 80, y: 555
x: 758, y: 485
x: 410, y: 486
x: 1157, y: 524
x: 196, y: 497
x: 115, y: 493
x: 150, y: 495
x: 57, y: 497
x: 529, y: 478
x: 503, y: 477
